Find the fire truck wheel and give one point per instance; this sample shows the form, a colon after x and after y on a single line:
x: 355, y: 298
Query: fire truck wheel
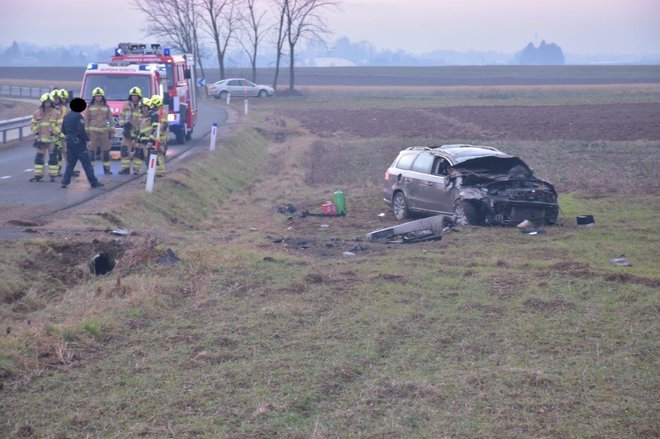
x: 180, y: 135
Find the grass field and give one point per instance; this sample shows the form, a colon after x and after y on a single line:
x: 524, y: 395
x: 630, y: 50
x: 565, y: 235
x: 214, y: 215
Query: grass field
x: 265, y: 329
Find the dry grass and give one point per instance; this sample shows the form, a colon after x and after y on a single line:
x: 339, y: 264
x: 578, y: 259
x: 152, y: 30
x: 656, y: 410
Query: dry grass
x: 487, y: 333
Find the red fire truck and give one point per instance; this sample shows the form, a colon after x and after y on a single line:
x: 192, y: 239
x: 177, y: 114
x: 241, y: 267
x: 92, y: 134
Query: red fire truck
x: 156, y: 71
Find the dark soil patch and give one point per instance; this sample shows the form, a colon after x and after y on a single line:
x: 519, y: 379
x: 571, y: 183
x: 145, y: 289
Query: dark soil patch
x: 615, y: 122
x: 631, y: 278
x: 60, y: 265
x: 548, y: 307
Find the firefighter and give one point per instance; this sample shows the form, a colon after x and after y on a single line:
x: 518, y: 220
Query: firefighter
x: 146, y: 134
x: 161, y: 113
x: 98, y: 120
x: 73, y: 127
x: 46, y: 132
x: 60, y: 143
x: 130, y: 119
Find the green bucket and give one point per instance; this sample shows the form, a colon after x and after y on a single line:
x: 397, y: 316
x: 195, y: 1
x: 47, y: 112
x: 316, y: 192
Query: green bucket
x: 340, y: 202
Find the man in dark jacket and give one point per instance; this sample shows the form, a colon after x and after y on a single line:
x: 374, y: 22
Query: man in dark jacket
x: 73, y: 127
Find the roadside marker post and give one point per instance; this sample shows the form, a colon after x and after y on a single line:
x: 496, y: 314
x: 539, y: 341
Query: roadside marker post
x: 228, y: 98
x: 245, y: 101
x: 151, y: 172
x: 214, y: 133
x: 153, y: 157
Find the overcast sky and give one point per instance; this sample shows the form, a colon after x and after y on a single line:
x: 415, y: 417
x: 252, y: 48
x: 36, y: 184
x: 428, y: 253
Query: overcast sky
x: 578, y: 26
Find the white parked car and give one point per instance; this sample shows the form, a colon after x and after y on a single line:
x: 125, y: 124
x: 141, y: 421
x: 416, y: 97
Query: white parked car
x: 239, y: 87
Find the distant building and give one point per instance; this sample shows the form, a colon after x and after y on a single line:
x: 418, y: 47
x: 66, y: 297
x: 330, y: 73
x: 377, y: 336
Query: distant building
x: 545, y: 54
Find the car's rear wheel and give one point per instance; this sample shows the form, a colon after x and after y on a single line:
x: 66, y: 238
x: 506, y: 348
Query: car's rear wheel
x: 400, y: 206
x: 467, y: 213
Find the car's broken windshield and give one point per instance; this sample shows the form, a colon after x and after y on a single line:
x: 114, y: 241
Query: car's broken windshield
x: 494, y: 168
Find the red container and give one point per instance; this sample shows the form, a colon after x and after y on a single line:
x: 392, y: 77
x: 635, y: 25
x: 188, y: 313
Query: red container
x: 328, y: 208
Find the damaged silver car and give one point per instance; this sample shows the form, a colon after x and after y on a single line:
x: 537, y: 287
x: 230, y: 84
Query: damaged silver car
x: 477, y: 185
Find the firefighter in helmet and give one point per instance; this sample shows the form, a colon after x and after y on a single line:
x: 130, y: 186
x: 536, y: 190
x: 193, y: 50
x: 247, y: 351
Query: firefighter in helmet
x: 161, y: 114
x: 129, y: 121
x: 146, y: 134
x: 61, y: 143
x: 46, y: 132
x: 98, y: 123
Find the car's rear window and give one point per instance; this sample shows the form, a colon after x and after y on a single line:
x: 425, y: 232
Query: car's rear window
x: 406, y: 160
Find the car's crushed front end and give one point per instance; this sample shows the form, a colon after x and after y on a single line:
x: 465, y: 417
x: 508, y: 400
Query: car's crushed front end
x: 502, y: 191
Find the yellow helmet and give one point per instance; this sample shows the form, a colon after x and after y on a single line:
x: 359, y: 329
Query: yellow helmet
x: 145, y: 102
x: 135, y: 91
x: 54, y: 94
x: 45, y: 97
x: 156, y: 100
x: 98, y: 91
x: 63, y: 93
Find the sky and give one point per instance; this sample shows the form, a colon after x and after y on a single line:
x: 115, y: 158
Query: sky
x: 417, y: 26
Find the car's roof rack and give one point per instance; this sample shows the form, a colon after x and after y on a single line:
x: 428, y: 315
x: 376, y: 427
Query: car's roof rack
x: 451, y: 146
x: 463, y: 145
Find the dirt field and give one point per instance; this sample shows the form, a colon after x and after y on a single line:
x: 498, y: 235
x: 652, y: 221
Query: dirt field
x: 575, y: 122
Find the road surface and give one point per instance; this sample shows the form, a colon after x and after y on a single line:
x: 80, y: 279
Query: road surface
x: 24, y: 199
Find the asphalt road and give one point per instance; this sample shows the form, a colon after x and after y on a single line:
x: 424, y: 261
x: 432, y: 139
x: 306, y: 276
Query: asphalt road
x: 24, y: 199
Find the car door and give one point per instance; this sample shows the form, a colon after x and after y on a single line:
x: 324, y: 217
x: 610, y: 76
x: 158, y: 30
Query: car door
x: 250, y: 88
x: 235, y: 87
x: 439, y: 192
x: 421, y: 181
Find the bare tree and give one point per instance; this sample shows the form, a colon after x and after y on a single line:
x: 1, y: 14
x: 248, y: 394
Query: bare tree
x: 221, y: 22
x: 303, y: 21
x: 280, y: 10
x: 252, y: 30
x: 175, y: 22
x: 170, y: 20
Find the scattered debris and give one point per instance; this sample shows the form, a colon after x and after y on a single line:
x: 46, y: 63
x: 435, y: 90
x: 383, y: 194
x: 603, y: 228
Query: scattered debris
x: 381, y: 215
x: 358, y: 247
x: 287, y: 209
x: 424, y: 229
x: 325, y: 226
x: 169, y: 258
x: 621, y: 261
x: 525, y: 224
x: 121, y: 232
x: 348, y: 254
x: 533, y: 231
x: 585, y: 220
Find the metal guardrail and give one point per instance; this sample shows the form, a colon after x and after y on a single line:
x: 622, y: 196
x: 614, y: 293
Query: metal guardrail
x: 18, y: 123
x: 26, y: 92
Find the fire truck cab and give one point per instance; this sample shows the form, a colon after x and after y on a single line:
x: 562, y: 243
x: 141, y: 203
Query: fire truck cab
x: 156, y: 72
x: 116, y: 79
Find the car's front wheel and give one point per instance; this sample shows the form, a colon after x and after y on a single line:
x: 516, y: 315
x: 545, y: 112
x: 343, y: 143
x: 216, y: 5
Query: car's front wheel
x: 466, y: 213
x: 400, y: 206
x: 222, y: 95
x: 263, y: 93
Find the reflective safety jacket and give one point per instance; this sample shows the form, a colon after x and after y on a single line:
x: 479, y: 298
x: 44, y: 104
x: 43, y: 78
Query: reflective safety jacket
x: 64, y: 110
x: 44, y: 124
x: 131, y: 113
x: 163, y: 122
x: 148, y: 127
x: 98, y: 117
